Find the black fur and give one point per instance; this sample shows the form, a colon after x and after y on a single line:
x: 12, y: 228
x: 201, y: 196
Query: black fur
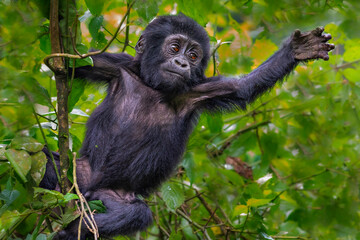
x: 138, y: 134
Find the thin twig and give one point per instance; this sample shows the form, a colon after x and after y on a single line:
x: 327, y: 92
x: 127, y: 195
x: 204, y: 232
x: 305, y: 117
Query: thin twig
x: 112, y: 35
x: 48, y: 223
x: 50, y: 120
x: 231, y: 138
x: 181, y: 213
x: 211, y: 216
x: 288, y: 237
x: 157, y: 219
x: 345, y: 65
x: 218, y: 44
x: 90, y: 219
x: 127, y: 29
x: 210, y: 211
x: 43, y: 135
x: 246, y: 219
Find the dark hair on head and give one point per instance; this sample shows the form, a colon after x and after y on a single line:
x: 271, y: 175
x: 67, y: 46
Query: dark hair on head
x: 163, y: 26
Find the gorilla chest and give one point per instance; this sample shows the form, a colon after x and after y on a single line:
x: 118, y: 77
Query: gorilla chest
x: 139, y: 110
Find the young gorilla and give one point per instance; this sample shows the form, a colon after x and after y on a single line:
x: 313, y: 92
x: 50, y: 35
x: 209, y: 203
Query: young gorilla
x: 137, y: 136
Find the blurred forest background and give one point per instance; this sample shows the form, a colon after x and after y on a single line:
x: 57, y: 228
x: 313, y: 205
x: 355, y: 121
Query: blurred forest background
x: 287, y: 168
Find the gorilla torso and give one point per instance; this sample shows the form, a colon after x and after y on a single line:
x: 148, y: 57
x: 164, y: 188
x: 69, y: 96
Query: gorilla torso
x: 135, y: 113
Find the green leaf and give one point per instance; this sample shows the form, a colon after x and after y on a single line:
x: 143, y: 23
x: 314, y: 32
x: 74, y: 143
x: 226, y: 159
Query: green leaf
x: 233, y: 177
x: 70, y: 196
x: 38, y: 166
x: 147, y: 9
x: 45, y: 44
x: 95, y: 6
x: 189, y: 165
x: 215, y: 122
x: 97, y: 205
x: 28, y: 144
x: 352, y: 50
x: 173, y: 195
x: 27, y: 225
x: 240, y: 209
x: 39, y: 191
x: 252, y: 202
x: 49, y: 198
x: 69, y: 216
x: 21, y: 162
x: 44, y: 7
x: 94, y: 25
x: 2, y: 154
x: 8, y: 220
x: 77, y: 90
x: 175, y: 235
x: 41, y: 237
x: 9, y: 196
x: 4, y: 167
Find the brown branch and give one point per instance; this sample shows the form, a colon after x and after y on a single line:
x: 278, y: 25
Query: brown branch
x: 223, y: 213
x: 62, y: 94
x: 55, y: 35
x: 345, y: 65
x: 4, y: 122
x: 211, y: 216
x: 198, y: 194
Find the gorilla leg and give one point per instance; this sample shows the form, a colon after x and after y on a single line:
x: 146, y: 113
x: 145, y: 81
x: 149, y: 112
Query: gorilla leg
x: 125, y: 215
x: 49, y: 180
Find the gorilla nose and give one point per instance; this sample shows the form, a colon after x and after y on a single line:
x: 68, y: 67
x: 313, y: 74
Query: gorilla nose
x: 182, y: 63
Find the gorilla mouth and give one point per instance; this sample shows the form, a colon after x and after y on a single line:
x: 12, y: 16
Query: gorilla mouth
x: 174, y: 73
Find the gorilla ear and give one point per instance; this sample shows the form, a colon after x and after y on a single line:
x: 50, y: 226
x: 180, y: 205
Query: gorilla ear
x: 140, y: 45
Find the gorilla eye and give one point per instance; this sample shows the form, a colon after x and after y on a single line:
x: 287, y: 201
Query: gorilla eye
x: 193, y: 56
x: 175, y: 47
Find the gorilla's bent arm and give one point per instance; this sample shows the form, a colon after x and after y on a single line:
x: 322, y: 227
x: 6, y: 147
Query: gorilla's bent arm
x: 106, y: 66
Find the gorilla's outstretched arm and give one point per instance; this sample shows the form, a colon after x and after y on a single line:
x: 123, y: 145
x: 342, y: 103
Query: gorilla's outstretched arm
x: 220, y: 92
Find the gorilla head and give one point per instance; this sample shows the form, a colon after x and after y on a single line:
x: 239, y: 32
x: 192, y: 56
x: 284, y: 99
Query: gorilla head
x: 173, y: 52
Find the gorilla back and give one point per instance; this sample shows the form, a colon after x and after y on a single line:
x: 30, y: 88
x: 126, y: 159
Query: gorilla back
x: 137, y: 136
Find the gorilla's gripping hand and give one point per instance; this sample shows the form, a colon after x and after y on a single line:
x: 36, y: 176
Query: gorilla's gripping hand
x: 311, y: 45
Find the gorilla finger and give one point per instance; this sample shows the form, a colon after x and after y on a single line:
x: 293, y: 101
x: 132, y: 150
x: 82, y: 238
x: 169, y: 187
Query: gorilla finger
x: 297, y: 33
x: 317, y: 31
x: 326, y: 37
x: 329, y: 46
x: 323, y: 55
x: 325, y: 46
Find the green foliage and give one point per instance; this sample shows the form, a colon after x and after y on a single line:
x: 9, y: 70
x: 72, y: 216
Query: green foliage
x: 172, y: 195
x: 294, y: 175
